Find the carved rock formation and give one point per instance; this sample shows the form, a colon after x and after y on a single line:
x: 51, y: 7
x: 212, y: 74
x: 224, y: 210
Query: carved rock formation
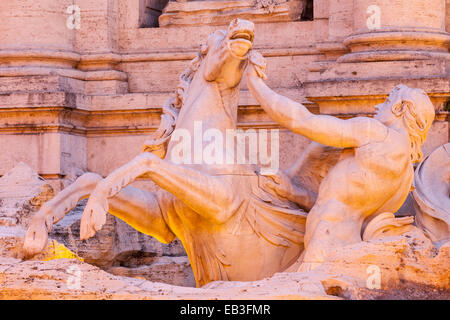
x: 122, y: 250
x: 410, y: 267
x: 22, y: 192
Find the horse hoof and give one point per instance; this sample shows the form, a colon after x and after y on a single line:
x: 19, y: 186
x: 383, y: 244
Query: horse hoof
x: 35, y: 239
x: 93, y: 218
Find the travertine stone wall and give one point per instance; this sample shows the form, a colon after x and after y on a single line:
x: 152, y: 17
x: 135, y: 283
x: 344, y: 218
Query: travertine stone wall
x: 28, y: 24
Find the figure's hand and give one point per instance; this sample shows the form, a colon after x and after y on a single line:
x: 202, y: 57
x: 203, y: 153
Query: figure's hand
x: 94, y: 215
x: 257, y: 65
x: 281, y: 184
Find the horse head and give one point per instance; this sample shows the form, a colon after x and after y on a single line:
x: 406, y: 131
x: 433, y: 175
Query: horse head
x: 227, y: 53
x: 208, y: 89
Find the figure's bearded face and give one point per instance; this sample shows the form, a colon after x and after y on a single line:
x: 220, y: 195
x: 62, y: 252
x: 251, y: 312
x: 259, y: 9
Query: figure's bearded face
x: 415, y: 103
x: 227, y: 53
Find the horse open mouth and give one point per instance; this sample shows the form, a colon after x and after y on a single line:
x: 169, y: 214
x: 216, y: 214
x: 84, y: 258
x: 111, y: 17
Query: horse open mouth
x: 243, y: 35
x: 240, y: 43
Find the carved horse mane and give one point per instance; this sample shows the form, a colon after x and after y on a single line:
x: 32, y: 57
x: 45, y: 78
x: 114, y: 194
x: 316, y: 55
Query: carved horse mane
x: 171, y: 107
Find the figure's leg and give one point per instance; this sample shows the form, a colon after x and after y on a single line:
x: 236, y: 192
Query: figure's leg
x: 328, y: 227
x: 138, y: 208
x: 210, y: 196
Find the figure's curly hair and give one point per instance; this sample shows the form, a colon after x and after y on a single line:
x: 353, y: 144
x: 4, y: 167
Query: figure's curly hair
x: 171, y: 107
x: 417, y: 111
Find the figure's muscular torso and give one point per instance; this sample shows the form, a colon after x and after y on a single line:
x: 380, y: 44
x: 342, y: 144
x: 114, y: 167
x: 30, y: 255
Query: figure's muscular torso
x: 367, y: 180
x: 373, y: 177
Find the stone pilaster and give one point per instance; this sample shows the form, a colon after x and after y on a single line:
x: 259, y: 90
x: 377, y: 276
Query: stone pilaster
x: 97, y: 42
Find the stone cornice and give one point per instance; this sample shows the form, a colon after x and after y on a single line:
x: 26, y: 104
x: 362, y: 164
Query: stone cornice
x: 71, y: 59
x: 38, y: 57
x: 139, y: 114
x: 358, y: 87
x: 391, y: 45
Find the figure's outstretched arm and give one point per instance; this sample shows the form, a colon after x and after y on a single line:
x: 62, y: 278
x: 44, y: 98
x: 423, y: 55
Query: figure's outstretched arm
x: 324, y: 129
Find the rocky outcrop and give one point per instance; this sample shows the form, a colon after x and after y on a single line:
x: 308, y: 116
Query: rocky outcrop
x: 122, y: 250
x: 410, y: 268
x: 22, y: 192
x: 399, y: 267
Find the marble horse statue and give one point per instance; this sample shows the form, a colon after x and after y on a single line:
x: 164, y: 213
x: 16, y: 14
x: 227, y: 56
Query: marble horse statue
x: 231, y: 223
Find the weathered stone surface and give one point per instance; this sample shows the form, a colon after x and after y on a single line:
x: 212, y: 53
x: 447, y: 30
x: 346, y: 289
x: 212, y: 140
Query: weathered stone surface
x: 22, y: 191
x: 411, y: 268
x: 405, y: 263
x: 11, y: 241
x: 166, y: 269
x: 122, y: 250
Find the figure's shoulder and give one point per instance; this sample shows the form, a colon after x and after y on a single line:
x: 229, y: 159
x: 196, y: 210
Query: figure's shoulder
x: 369, y: 129
x: 389, y: 144
x: 374, y: 124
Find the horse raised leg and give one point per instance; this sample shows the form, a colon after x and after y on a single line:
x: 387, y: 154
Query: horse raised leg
x: 212, y: 197
x: 136, y: 207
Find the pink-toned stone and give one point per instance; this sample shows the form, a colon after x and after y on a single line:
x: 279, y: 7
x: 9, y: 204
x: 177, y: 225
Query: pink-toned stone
x: 87, y: 99
x: 410, y: 269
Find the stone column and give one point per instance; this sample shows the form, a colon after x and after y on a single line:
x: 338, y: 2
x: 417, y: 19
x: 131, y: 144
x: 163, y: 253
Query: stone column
x: 387, y: 30
x: 35, y: 33
x: 333, y: 22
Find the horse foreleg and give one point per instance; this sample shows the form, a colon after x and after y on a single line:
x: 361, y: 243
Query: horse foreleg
x: 210, y: 196
x: 54, y: 210
x: 138, y: 208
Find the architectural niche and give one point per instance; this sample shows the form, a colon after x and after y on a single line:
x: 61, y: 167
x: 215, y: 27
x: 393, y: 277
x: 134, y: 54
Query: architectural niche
x: 164, y: 13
